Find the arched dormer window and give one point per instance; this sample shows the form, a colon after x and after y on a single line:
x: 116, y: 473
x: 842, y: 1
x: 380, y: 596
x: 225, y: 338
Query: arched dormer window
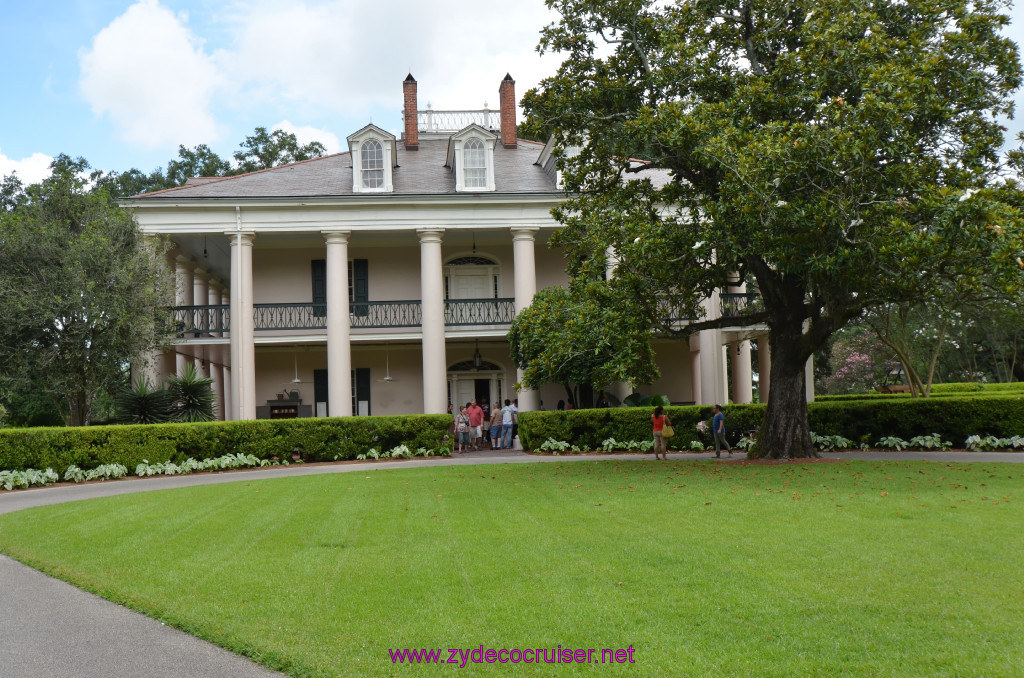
x: 471, y: 158
x: 474, y: 164
x: 372, y: 164
x: 374, y: 157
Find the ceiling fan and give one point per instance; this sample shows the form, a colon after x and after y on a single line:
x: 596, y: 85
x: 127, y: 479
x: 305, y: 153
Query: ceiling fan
x: 387, y: 365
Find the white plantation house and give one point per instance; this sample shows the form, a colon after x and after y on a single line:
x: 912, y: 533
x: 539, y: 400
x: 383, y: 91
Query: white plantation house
x: 383, y: 280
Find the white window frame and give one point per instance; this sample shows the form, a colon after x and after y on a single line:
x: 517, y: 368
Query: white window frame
x: 457, y: 157
x: 356, y: 142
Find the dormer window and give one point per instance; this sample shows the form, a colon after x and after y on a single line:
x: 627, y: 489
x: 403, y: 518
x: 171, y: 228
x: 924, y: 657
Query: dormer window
x: 374, y: 157
x: 372, y: 164
x: 471, y: 158
x: 474, y: 164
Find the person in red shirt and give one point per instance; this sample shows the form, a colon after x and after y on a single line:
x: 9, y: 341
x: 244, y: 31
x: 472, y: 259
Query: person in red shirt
x: 476, y: 420
x: 659, y: 419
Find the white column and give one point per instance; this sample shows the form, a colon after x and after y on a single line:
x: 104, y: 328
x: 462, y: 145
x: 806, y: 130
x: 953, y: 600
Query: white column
x: 694, y: 346
x: 215, y: 354
x: 228, y: 413
x: 809, y: 379
x: 243, y: 354
x: 435, y: 364
x: 339, y: 342
x: 184, y: 295
x: 525, y: 278
x: 711, y: 382
x: 764, y: 368
x: 742, y: 379
x: 201, y: 291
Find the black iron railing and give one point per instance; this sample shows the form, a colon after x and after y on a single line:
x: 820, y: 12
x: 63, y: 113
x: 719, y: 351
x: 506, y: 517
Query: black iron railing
x: 736, y: 304
x: 195, y: 321
x: 479, y: 311
x: 290, y: 316
x: 386, y: 314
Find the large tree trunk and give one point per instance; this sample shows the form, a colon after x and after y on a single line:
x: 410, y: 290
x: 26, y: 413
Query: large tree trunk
x: 785, y: 432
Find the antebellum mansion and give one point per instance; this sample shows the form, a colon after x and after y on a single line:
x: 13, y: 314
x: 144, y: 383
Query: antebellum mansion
x: 383, y: 280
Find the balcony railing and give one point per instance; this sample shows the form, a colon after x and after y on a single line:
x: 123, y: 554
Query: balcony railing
x: 386, y: 314
x: 194, y: 321
x: 735, y: 305
x: 290, y: 316
x: 479, y: 311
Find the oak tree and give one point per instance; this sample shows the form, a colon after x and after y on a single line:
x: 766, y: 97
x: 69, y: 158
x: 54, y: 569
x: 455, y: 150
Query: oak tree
x: 837, y: 154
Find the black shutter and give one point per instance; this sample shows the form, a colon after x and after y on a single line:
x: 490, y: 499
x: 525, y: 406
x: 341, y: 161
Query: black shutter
x: 320, y: 388
x: 363, y: 388
x: 360, y: 287
x: 319, y: 267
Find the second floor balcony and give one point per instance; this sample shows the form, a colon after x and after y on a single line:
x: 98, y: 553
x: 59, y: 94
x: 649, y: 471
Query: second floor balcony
x: 197, y: 321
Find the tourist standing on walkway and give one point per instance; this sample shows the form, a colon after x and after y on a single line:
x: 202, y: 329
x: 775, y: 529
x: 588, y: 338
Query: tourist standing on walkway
x: 507, y: 419
x: 659, y: 419
x: 718, y: 426
x: 476, y: 422
x: 496, y: 429
x: 462, y: 430
x: 515, y: 419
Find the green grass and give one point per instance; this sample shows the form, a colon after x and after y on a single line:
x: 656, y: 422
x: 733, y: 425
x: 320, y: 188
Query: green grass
x: 854, y: 568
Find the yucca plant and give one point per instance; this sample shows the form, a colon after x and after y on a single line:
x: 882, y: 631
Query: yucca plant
x: 192, y: 396
x: 144, y: 403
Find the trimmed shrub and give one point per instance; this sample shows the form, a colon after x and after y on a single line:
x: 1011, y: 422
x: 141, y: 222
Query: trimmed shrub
x: 315, y: 439
x: 862, y: 421
x: 938, y: 391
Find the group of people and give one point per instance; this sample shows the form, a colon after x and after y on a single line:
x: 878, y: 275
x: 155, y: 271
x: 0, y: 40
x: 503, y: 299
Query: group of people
x: 470, y: 432
x: 660, y: 420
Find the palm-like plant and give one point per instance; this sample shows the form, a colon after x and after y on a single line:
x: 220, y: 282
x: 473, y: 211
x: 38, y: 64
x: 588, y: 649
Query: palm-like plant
x: 143, y: 403
x: 192, y: 395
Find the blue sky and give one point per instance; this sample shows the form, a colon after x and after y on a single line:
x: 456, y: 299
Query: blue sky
x: 123, y: 83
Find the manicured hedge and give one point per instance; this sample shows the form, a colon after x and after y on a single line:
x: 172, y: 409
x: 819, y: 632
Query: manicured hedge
x: 859, y: 420
x: 316, y: 439
x: 938, y: 391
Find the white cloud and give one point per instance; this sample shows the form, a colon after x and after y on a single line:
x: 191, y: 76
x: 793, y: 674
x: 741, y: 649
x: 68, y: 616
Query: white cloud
x: 306, y: 134
x: 149, y: 73
x: 349, y: 58
x: 30, y: 170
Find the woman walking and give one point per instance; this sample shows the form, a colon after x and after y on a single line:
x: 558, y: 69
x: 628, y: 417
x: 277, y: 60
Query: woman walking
x: 660, y: 419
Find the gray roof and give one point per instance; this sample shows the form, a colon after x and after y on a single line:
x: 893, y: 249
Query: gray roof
x: 419, y: 172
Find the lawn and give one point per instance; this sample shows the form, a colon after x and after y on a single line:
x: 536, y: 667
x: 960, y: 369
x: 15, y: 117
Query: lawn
x: 705, y: 569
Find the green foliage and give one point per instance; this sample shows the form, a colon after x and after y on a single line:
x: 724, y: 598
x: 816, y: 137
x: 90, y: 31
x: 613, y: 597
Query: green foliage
x: 144, y: 403
x: 81, y: 294
x: 562, y: 338
x: 315, y: 439
x: 20, y: 480
x: 946, y: 418
x: 191, y: 396
x: 30, y: 406
x: 835, y: 155
x: 262, y: 150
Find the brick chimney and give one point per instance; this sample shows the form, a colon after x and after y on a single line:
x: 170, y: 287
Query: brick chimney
x: 507, y: 98
x: 412, y: 132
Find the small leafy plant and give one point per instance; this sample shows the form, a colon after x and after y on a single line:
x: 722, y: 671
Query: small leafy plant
x: 21, y: 480
x: 930, y: 442
x: 892, y: 443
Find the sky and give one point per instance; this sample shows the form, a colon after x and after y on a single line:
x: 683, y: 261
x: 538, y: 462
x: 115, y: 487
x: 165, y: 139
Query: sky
x: 123, y: 83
